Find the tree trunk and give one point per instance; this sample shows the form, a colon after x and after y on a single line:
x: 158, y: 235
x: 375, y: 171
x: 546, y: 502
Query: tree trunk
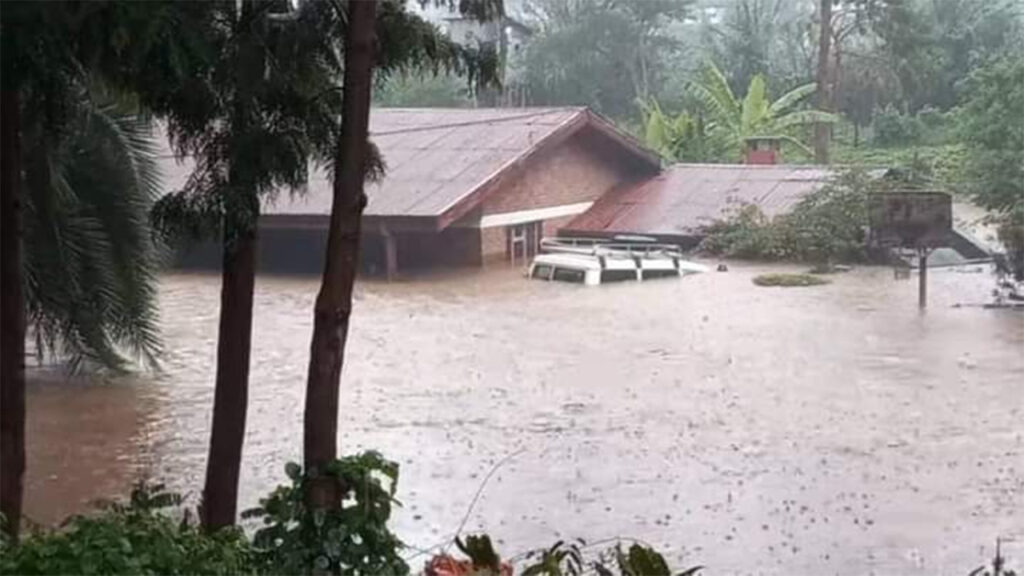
x: 334, y: 302
x: 231, y: 395
x: 822, y: 132
x: 12, y: 324
x: 238, y: 277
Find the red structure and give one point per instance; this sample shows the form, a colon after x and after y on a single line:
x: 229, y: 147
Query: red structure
x: 676, y: 204
x: 764, y: 151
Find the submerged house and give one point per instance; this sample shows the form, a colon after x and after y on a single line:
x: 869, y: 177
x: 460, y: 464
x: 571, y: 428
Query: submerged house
x: 675, y: 205
x: 462, y: 187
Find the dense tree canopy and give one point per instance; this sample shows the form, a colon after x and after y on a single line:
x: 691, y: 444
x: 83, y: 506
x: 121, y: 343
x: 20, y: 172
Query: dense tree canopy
x: 601, y: 54
x: 992, y: 129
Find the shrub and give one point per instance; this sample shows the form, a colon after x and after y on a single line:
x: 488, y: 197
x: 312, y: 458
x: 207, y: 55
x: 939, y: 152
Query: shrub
x: 1011, y: 234
x: 893, y: 127
x: 563, y: 558
x: 747, y: 232
x: 827, y: 226
x: 789, y: 280
x: 350, y: 537
x: 135, y: 538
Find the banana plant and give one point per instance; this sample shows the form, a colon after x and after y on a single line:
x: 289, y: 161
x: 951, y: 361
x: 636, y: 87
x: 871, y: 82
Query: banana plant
x: 735, y: 119
x: 680, y: 138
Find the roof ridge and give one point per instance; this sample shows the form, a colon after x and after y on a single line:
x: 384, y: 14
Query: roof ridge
x: 544, y: 112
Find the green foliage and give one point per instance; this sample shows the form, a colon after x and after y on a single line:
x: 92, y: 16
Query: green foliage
x: 139, y: 537
x: 89, y: 180
x: 827, y: 226
x: 574, y: 558
x: 748, y: 234
x: 601, y: 54
x: 735, y: 119
x: 480, y: 552
x: 731, y: 120
x: 893, y: 127
x: 351, y: 538
x: 941, y: 166
x: 561, y: 559
x: 789, y: 280
x: 994, y: 136
x: 683, y: 138
x: 1011, y: 233
x: 929, y: 47
x: 90, y: 258
x: 767, y: 37
x: 640, y: 560
x: 419, y: 89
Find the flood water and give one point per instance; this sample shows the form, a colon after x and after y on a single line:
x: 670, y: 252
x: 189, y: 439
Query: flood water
x: 827, y: 430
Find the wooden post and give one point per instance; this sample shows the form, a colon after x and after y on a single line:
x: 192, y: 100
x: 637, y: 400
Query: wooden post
x: 390, y: 254
x: 922, y: 286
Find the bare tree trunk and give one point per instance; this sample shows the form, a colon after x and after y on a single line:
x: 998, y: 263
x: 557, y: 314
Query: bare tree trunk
x: 822, y: 132
x: 12, y: 324
x: 334, y: 302
x: 231, y: 395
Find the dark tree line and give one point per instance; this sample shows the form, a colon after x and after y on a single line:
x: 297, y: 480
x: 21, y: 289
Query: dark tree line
x: 254, y: 92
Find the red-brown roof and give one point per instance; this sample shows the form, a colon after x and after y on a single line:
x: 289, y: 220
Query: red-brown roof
x: 687, y: 196
x: 441, y: 162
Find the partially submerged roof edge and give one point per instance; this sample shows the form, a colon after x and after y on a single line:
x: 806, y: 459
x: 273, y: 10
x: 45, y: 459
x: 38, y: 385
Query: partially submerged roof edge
x: 581, y: 118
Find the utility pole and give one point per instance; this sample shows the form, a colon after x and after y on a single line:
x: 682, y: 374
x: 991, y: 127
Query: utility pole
x: 922, y: 286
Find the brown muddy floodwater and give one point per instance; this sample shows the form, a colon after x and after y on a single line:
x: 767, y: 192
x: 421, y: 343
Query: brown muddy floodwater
x: 828, y: 430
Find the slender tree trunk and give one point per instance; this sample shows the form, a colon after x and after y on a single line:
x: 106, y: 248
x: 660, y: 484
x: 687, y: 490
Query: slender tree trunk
x: 231, y: 395
x: 822, y: 132
x: 334, y: 302
x: 12, y: 324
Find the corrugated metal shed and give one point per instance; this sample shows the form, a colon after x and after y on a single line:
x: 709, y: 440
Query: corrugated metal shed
x: 687, y: 196
x: 437, y: 157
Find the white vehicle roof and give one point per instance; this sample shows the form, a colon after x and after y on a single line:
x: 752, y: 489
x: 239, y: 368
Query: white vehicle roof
x: 577, y: 261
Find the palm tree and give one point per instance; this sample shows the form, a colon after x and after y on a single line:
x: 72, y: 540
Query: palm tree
x: 77, y: 178
x: 90, y: 259
x: 736, y: 120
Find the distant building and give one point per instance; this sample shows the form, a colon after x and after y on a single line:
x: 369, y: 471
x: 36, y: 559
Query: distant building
x: 463, y: 187
x: 507, y: 35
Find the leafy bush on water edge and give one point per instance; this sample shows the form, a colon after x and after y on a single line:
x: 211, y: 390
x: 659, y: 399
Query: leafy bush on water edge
x: 827, y: 226
x: 351, y: 537
x: 140, y: 537
x: 790, y: 280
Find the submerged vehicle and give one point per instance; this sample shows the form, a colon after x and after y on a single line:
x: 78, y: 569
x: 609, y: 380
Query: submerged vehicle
x: 593, y: 261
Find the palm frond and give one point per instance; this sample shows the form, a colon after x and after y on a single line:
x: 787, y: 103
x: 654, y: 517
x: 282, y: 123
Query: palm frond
x: 90, y: 257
